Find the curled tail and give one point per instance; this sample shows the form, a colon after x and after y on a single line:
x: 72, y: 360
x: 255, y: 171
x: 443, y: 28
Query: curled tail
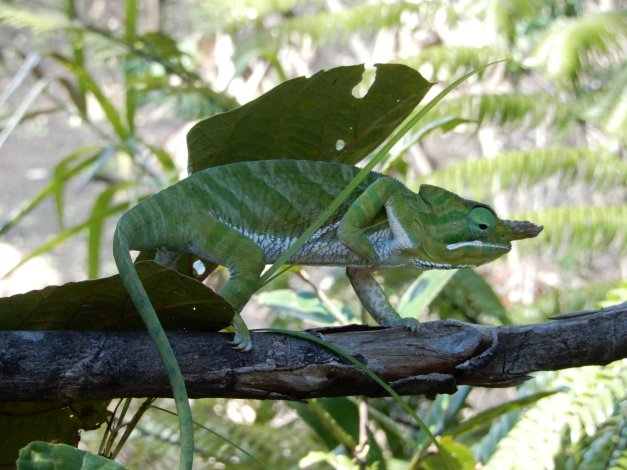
x: 132, y: 282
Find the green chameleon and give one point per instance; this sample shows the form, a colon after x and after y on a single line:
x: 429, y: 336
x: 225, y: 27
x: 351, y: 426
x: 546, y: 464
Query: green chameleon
x: 245, y: 215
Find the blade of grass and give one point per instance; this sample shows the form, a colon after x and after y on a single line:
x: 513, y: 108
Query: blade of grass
x: 130, y: 35
x: 30, y: 62
x: 77, y: 38
x: 63, y: 172
x: 98, y: 216
x: 381, y: 153
x: 89, y: 84
x: 223, y: 437
x: 486, y: 417
x: 375, y: 377
x: 446, y: 124
x: 64, y: 236
x: 22, y: 108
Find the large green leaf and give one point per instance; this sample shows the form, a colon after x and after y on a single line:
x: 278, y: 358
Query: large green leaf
x: 468, y: 297
x: 422, y: 291
x: 44, y: 456
x: 306, y: 306
x: 46, y: 421
x: 316, y: 118
x: 180, y: 302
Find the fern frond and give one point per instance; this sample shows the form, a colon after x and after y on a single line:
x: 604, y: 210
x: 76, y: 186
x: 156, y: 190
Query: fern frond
x: 616, y: 295
x: 509, y: 15
x: 453, y: 58
x: 581, y: 228
x: 40, y: 21
x: 592, y: 398
x: 608, y: 107
x: 512, y: 170
x: 507, y: 109
x: 339, y: 25
x: 232, y: 15
x: 596, y: 452
x: 245, y: 422
x: 564, y: 299
x: 571, y: 45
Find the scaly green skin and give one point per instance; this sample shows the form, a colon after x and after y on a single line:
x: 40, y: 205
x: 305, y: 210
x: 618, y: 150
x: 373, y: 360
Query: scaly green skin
x: 244, y: 215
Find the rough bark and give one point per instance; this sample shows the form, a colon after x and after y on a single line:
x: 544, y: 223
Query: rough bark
x: 70, y: 365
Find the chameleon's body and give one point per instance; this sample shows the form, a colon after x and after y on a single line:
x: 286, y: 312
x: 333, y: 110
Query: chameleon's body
x: 244, y: 216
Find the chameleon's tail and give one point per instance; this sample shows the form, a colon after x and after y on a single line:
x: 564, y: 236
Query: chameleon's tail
x: 138, y: 294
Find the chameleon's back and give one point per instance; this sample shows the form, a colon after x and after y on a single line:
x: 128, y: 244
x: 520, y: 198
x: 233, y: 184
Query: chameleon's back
x: 276, y: 196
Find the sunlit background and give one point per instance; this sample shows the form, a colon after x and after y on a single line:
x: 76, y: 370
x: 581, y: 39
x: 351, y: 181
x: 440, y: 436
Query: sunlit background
x: 96, y: 98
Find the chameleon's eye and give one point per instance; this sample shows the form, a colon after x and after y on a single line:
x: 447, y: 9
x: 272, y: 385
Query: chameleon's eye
x: 481, y: 222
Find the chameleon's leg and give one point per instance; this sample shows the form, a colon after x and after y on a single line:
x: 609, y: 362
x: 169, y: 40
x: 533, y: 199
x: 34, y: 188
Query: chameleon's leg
x: 360, y: 214
x: 373, y: 298
x: 245, y: 261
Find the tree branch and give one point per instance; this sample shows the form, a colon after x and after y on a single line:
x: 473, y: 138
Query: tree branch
x: 74, y: 365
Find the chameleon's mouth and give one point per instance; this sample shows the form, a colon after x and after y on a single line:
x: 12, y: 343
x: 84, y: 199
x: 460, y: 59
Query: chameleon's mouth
x: 478, y: 244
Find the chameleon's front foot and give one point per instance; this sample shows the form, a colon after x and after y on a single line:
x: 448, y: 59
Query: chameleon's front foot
x: 241, y: 339
x: 411, y: 324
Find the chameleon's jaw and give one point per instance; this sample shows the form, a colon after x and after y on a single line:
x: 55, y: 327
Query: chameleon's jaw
x: 520, y: 229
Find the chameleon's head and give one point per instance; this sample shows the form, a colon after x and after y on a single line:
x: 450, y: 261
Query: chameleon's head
x: 461, y: 232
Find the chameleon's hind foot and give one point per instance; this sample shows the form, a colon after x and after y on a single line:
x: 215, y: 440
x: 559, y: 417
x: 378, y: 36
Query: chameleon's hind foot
x: 411, y: 324
x: 241, y: 339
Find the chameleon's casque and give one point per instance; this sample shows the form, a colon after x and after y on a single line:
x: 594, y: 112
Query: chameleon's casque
x: 245, y: 215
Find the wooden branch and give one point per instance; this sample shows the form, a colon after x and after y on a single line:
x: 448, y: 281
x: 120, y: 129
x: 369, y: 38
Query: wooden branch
x: 73, y: 365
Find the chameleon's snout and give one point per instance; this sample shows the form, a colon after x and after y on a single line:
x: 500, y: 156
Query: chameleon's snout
x: 521, y: 229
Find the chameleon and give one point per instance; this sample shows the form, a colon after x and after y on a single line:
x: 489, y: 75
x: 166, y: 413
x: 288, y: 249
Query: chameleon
x: 245, y: 215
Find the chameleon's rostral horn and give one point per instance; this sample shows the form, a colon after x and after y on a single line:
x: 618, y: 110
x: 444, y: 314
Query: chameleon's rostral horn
x: 520, y: 229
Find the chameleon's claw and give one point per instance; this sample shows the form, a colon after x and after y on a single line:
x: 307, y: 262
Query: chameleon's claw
x: 411, y: 324
x: 241, y: 340
x: 241, y: 345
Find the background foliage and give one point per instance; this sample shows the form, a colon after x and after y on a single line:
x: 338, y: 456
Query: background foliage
x: 106, y: 91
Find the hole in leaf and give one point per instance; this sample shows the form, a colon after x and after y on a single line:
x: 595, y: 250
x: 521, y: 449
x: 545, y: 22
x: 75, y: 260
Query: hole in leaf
x: 339, y: 145
x: 367, y: 79
x: 199, y: 267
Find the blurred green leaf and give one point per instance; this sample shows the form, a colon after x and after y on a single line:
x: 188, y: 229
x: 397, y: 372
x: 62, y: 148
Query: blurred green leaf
x: 45, y: 21
x: 304, y: 306
x: 45, y: 421
x: 69, y: 233
x: 608, y: 106
x: 45, y: 456
x: 64, y: 171
x: 517, y: 170
x: 580, y: 228
x: 454, y: 59
x: 104, y: 304
x: 468, y: 297
x: 422, y: 291
x: 591, y: 395
x: 461, y: 457
x: 485, y: 418
x: 335, y: 420
x: 510, y: 110
x: 445, y: 124
x: 315, y: 118
x: 99, y: 211
x: 357, y: 18
x: 571, y: 44
x: 88, y: 83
